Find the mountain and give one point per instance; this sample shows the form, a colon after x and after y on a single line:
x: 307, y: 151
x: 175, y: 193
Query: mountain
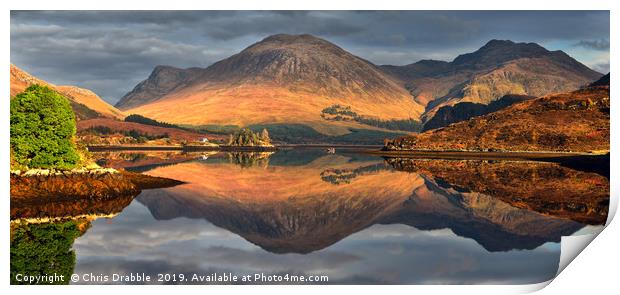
x: 603, y: 81
x: 163, y: 80
x: 283, y: 79
x: 462, y: 111
x: 575, y: 121
x: 85, y: 103
x: 498, y: 68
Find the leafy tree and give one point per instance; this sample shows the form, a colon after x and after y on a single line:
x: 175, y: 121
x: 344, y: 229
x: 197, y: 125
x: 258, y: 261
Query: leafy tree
x: 43, y: 129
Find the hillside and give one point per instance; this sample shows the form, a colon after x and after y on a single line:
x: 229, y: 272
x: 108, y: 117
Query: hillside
x: 498, y: 68
x: 462, y: 111
x: 85, y: 103
x: 575, y: 121
x: 109, y: 131
x: 283, y: 79
x: 603, y: 81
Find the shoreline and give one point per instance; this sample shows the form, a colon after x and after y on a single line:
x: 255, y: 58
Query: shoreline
x: 42, y: 188
x: 528, y: 155
x: 365, y: 149
x: 105, y: 148
x: 187, y: 148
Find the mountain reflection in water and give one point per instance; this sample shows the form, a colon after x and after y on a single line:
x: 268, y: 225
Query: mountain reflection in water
x: 356, y: 218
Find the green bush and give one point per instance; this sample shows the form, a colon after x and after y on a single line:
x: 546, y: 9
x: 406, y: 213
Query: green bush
x: 43, y: 129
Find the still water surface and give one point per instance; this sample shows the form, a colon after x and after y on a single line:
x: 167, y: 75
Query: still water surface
x: 354, y: 218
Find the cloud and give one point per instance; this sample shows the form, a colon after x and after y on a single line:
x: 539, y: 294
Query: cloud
x: 602, y: 67
x: 111, y: 51
x: 602, y: 44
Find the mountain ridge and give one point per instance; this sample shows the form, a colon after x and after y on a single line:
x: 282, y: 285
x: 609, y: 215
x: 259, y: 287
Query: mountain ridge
x: 85, y: 103
x: 498, y: 68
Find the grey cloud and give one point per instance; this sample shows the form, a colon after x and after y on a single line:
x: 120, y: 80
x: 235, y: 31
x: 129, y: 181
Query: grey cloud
x: 602, y: 44
x: 602, y: 67
x: 111, y: 51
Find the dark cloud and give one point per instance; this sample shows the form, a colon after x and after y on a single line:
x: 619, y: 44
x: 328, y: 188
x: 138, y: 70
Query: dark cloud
x: 594, y: 44
x: 111, y: 51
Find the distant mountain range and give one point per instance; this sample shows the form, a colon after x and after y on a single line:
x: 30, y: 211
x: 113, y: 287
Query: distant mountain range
x: 290, y: 79
x: 500, y: 67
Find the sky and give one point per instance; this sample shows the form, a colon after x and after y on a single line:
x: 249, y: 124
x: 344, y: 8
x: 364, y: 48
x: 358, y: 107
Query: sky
x: 110, y: 52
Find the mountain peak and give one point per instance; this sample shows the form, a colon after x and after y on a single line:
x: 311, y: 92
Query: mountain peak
x: 301, y: 61
x: 498, y: 43
x: 496, y: 52
x: 162, y: 80
x: 293, y: 45
x: 288, y: 38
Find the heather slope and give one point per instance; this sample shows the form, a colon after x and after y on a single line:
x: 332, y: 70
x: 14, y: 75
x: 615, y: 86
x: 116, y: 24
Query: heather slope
x: 568, y: 122
x: 462, y: 111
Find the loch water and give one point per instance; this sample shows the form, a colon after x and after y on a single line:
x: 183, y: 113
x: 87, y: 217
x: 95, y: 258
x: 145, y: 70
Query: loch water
x: 350, y: 218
